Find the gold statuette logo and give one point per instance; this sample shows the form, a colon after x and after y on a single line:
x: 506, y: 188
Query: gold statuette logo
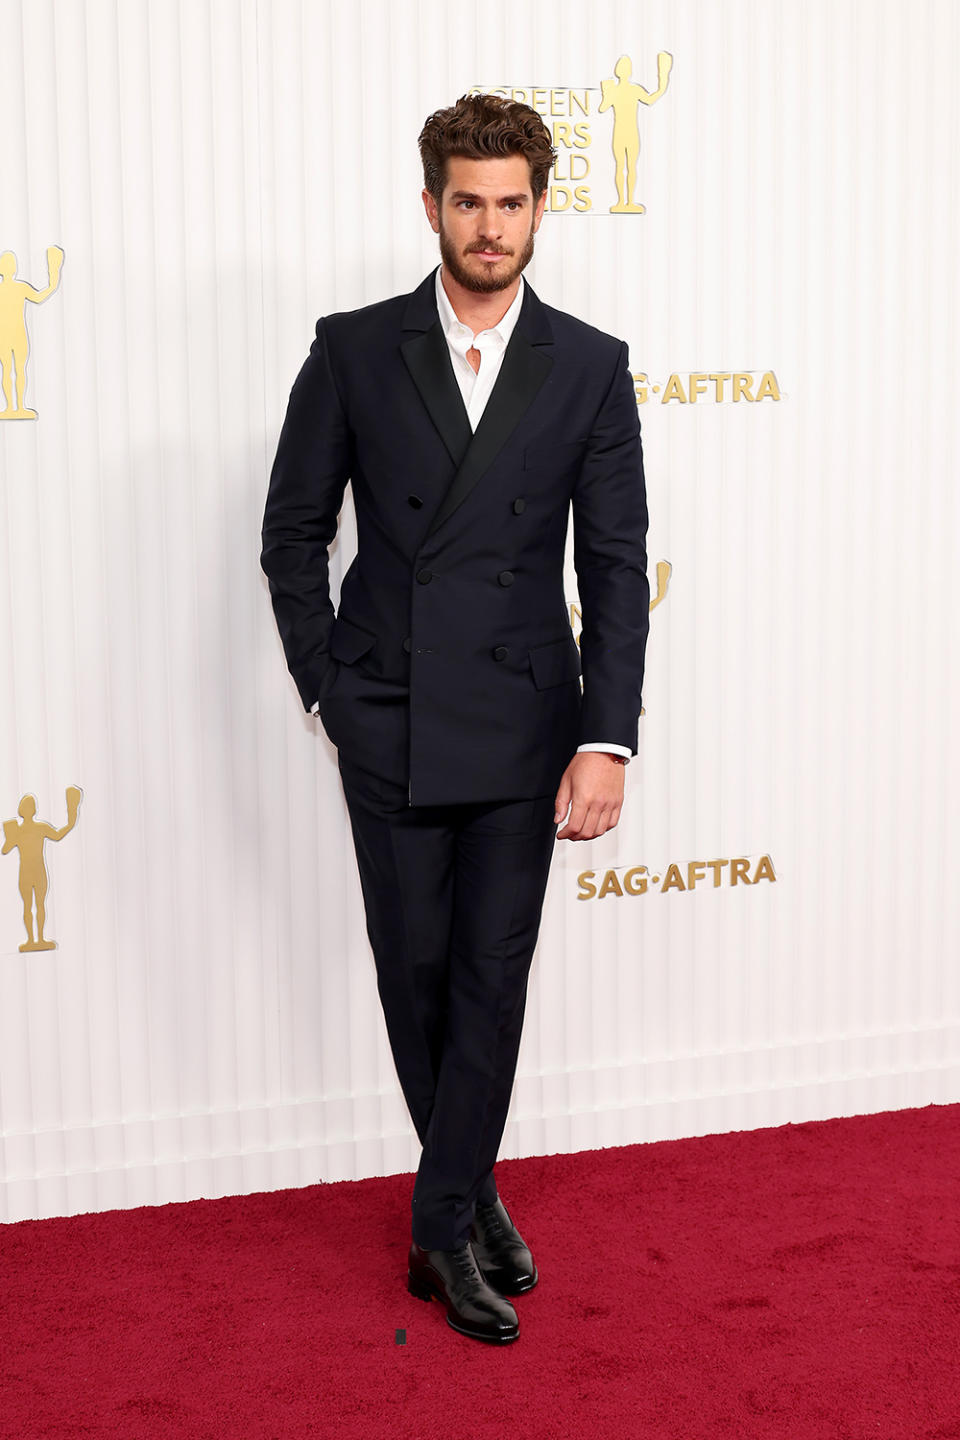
x: 28, y: 835
x: 14, y: 344
x: 622, y: 96
x: 568, y: 113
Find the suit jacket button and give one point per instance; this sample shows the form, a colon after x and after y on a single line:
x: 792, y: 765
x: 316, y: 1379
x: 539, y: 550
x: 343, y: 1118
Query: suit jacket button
x: 415, y: 501
x: 501, y: 652
x: 519, y: 506
x: 407, y: 647
x: 505, y: 577
x: 424, y: 576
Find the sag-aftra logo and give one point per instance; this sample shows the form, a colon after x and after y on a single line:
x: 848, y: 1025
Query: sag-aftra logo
x: 640, y: 879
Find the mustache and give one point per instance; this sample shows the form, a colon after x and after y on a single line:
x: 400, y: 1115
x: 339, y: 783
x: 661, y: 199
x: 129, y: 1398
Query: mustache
x: 488, y: 249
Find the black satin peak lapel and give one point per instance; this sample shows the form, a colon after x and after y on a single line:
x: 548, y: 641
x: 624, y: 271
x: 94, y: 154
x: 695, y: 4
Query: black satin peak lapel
x: 427, y: 357
x: 522, y: 373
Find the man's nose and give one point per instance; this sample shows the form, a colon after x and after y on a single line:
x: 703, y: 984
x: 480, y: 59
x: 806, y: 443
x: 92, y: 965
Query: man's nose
x: 491, y: 224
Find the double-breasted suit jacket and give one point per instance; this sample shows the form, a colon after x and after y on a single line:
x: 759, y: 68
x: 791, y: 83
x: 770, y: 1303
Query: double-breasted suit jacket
x: 450, y: 665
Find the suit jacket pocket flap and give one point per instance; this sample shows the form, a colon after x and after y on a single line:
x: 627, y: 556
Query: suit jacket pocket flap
x: 555, y: 663
x: 348, y: 642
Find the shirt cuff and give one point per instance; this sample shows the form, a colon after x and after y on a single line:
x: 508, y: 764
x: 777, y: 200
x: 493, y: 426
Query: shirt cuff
x: 315, y: 708
x: 607, y: 749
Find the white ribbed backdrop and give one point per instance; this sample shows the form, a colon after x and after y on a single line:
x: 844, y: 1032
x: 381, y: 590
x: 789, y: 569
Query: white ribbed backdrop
x: 221, y: 172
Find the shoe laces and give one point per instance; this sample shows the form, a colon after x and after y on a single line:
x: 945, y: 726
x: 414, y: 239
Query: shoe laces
x: 492, y: 1225
x: 465, y: 1263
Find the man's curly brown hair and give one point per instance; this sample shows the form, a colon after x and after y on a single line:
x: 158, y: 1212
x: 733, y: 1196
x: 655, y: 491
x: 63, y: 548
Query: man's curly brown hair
x: 482, y: 127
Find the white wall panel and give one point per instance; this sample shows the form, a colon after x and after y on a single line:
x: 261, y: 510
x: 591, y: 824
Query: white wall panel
x: 219, y: 173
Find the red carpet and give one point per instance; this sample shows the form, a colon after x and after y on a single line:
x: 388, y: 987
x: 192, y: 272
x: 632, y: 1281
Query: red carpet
x: 795, y: 1282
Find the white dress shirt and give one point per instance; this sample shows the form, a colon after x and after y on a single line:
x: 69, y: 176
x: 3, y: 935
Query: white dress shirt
x: 476, y: 386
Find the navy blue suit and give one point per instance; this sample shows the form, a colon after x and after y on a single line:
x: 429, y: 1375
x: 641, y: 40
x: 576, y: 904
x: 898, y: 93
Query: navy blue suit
x: 449, y: 679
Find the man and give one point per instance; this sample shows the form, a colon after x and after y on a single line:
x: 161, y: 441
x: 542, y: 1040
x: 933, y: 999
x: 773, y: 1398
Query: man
x: 468, y: 416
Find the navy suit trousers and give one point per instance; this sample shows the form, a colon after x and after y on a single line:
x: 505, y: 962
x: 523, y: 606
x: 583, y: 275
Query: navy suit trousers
x: 453, y: 896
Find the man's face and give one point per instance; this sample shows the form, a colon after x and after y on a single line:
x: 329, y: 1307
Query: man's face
x: 486, y: 220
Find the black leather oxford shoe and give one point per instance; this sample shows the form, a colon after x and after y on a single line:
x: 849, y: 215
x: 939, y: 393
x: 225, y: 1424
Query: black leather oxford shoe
x: 501, y: 1252
x: 473, y: 1307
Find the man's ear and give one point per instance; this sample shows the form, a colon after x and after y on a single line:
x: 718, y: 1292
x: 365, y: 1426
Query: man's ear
x: 433, y: 214
x: 538, y: 211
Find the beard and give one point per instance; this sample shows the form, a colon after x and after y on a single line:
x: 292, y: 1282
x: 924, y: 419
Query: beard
x: 486, y: 280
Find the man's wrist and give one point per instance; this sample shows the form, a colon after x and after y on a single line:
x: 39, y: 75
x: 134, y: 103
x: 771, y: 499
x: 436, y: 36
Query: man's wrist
x: 620, y: 753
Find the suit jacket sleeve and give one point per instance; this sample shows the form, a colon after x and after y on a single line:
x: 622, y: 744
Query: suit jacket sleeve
x: 609, y: 532
x: 307, y: 482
